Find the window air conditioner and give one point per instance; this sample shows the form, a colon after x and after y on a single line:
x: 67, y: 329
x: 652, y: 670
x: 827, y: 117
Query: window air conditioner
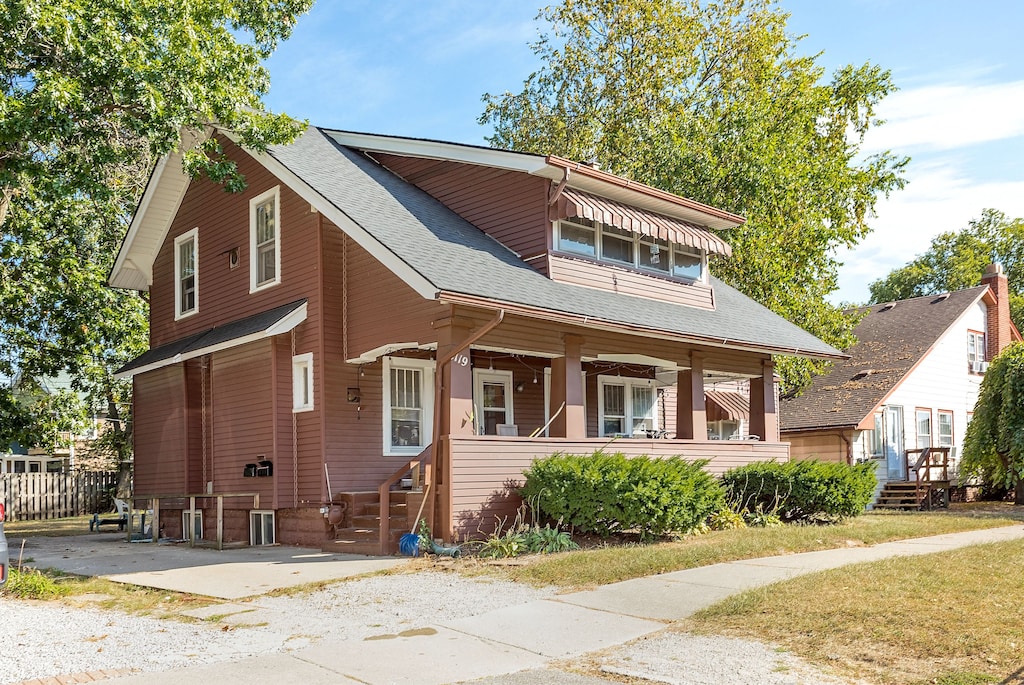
x: 979, y: 367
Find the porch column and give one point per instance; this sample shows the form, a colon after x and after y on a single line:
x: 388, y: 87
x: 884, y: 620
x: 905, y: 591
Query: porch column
x: 764, y: 417
x: 456, y: 400
x: 691, y: 414
x: 567, y: 386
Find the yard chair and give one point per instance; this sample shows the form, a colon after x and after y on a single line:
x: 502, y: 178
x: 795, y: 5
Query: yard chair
x: 121, y: 507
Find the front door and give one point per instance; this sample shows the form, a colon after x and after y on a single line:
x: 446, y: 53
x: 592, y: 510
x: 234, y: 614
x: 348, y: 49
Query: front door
x: 493, y: 393
x: 895, y: 456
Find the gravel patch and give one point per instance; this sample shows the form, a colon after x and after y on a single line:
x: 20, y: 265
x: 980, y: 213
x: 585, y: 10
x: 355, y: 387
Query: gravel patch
x: 46, y: 639
x: 677, y: 658
x: 50, y: 639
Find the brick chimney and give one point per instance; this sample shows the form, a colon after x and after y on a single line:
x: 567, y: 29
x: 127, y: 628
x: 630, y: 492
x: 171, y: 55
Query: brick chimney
x: 998, y: 316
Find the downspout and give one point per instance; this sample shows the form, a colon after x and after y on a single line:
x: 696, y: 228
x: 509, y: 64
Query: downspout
x: 849, y: 447
x: 438, y: 379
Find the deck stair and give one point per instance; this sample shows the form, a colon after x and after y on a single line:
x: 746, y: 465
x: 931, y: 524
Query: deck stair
x: 900, y: 495
x: 359, y: 531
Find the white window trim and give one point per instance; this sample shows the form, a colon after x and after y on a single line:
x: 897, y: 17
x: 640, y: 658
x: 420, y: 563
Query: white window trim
x: 185, y: 237
x: 426, y: 392
x: 253, y: 515
x: 274, y: 193
x: 628, y: 382
x: 636, y: 266
x: 918, y: 414
x: 302, y: 370
x: 491, y: 375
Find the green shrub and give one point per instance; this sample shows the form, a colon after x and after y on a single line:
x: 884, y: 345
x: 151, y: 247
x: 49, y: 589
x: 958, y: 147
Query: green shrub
x: 29, y: 583
x: 609, y: 493
x: 801, y: 490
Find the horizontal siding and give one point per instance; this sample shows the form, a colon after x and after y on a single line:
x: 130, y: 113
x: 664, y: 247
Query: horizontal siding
x: 486, y: 470
x: 242, y: 425
x: 509, y: 206
x: 626, y: 282
x: 820, y: 446
x: 222, y: 220
x: 160, y: 431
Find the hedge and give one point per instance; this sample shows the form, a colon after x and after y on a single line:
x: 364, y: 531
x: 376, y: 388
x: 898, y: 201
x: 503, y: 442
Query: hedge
x: 610, y: 493
x: 802, y: 490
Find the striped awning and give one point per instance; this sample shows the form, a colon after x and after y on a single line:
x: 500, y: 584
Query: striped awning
x: 724, y: 405
x: 574, y: 203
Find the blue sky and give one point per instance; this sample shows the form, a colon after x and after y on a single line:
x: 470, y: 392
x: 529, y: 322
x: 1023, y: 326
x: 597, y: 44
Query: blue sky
x: 419, y: 69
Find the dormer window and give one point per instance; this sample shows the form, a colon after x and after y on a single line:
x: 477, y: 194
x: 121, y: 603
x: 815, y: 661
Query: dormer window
x: 619, y: 246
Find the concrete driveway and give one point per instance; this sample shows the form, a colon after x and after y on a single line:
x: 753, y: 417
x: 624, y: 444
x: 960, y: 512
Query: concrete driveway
x: 225, y: 574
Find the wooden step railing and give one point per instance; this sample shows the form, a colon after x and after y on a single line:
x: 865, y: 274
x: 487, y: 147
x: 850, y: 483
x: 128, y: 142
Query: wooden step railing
x: 930, y: 459
x: 420, y: 467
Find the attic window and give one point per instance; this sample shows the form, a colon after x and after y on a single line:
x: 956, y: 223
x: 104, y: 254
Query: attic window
x: 264, y: 240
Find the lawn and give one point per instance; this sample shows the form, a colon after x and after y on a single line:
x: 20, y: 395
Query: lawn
x: 592, y: 567
x: 51, y: 528
x: 952, y: 618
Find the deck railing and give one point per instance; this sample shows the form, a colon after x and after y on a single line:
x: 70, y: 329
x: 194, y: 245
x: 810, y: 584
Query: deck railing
x: 931, y: 472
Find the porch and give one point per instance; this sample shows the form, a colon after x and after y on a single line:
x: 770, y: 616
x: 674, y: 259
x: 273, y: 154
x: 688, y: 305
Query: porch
x: 476, y: 484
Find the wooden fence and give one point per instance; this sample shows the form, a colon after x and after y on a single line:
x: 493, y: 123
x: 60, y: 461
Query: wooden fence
x: 36, y: 496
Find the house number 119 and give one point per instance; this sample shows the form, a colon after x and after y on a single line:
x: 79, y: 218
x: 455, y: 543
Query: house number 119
x: 462, y: 359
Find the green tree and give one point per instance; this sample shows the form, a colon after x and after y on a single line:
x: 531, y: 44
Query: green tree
x: 956, y: 260
x: 91, y: 92
x: 712, y: 101
x: 994, y: 442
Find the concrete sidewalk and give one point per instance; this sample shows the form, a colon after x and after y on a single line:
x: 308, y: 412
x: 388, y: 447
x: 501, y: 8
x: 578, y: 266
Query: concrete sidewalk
x: 514, y: 645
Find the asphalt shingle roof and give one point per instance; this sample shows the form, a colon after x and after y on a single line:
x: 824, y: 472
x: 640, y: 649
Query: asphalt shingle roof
x: 218, y: 335
x: 891, y: 341
x: 455, y: 256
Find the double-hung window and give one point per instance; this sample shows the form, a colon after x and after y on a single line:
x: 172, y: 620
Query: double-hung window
x: 924, y: 428
x: 265, y: 240
x: 408, y: 404
x: 945, y: 433
x: 975, y: 351
x: 186, y: 274
x: 626, y: 405
x: 620, y: 246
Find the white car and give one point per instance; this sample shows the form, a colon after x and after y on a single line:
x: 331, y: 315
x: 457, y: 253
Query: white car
x: 3, y: 548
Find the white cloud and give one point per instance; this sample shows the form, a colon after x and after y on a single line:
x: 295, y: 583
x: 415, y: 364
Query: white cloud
x: 948, y: 116
x: 938, y: 199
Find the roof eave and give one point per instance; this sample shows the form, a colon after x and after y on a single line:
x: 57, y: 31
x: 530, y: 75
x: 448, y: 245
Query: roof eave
x: 450, y: 297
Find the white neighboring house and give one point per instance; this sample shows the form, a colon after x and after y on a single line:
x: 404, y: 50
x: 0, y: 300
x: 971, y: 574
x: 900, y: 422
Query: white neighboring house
x: 911, y: 381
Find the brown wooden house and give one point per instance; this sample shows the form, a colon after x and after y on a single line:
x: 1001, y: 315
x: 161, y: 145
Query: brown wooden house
x: 378, y: 316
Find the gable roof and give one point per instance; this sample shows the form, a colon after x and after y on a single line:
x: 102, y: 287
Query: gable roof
x: 892, y: 339
x: 442, y: 256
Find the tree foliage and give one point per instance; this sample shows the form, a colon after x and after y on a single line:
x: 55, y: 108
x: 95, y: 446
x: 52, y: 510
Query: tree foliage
x: 957, y: 260
x: 91, y: 92
x: 712, y: 101
x: 994, y: 442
